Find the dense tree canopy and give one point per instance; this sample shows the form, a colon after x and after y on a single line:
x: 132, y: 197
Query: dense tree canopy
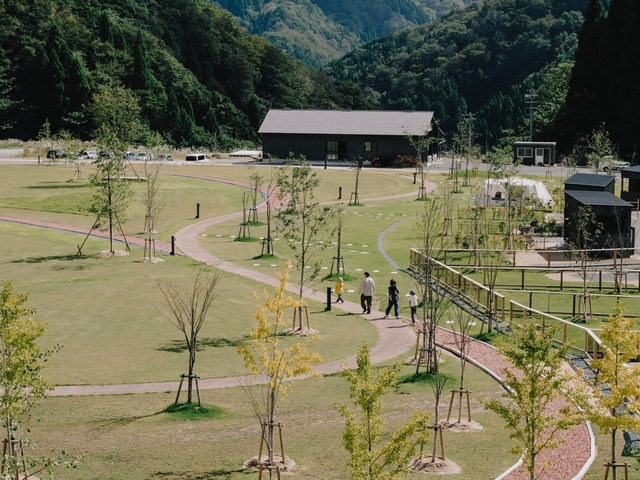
x: 198, y: 77
x: 317, y: 31
x: 482, y: 59
x: 604, y: 84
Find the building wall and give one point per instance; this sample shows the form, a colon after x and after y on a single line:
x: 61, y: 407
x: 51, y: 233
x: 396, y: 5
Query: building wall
x: 549, y: 157
x: 314, y: 147
x: 615, y: 229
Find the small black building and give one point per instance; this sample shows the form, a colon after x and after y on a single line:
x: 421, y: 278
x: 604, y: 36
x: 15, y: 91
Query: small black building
x: 535, y: 153
x: 342, y: 134
x: 611, y: 212
x: 630, y: 183
x: 591, y: 182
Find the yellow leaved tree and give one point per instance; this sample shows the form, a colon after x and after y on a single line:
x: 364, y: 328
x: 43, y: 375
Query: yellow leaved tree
x: 616, y: 404
x: 273, y: 363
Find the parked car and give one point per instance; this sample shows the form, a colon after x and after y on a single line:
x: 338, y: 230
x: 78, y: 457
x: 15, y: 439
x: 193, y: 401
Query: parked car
x: 164, y: 157
x: 129, y: 156
x: 143, y: 156
x: 609, y: 163
x: 57, y: 153
x: 90, y: 154
x: 197, y: 157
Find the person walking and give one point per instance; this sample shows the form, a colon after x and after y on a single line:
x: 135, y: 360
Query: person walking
x: 339, y: 289
x: 394, y: 294
x: 413, y: 303
x: 366, y: 291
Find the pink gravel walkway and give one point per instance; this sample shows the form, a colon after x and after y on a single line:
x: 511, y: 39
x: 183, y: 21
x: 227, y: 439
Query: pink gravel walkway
x: 572, y: 458
x: 569, y: 461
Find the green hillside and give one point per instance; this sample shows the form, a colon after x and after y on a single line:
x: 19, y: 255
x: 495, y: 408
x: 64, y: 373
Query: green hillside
x: 197, y: 77
x: 317, y: 31
x: 481, y: 59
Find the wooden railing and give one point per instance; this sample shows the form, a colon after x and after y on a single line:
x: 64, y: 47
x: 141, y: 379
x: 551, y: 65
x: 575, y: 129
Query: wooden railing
x: 581, y: 338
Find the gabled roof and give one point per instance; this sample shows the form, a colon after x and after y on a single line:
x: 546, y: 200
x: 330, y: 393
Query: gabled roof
x: 347, y: 122
x: 590, y: 179
x: 597, y: 198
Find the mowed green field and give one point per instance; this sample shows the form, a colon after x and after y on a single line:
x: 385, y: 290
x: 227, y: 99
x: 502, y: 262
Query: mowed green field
x: 128, y: 436
x: 107, y: 315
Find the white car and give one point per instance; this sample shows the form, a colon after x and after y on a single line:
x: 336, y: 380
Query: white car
x: 197, y: 157
x: 143, y: 156
x: 90, y: 154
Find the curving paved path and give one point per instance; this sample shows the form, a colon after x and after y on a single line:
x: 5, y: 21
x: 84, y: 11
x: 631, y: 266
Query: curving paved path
x: 395, y: 338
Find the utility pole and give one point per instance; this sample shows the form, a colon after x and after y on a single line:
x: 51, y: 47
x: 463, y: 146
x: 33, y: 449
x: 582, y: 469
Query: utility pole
x: 531, y: 100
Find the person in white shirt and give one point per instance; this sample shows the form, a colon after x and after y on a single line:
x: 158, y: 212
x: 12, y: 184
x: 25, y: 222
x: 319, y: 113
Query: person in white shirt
x: 413, y: 303
x: 366, y: 291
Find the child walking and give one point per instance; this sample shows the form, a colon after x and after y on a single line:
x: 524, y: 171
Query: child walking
x: 394, y: 294
x: 413, y: 303
x: 339, y: 289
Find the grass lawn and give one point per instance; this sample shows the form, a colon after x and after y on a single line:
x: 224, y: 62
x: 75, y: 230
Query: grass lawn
x: 107, y: 316
x: 128, y: 436
x: 106, y: 313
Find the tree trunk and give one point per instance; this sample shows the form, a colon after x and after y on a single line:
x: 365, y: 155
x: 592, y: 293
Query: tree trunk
x: 613, y: 449
x: 532, y: 474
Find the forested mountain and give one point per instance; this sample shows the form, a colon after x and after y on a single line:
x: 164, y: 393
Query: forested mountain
x: 317, y: 31
x: 604, y: 86
x: 481, y: 59
x: 198, y: 77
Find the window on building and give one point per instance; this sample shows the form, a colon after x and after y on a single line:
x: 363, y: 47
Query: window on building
x: 336, y: 150
x: 370, y: 146
x: 332, y: 150
x: 524, y: 152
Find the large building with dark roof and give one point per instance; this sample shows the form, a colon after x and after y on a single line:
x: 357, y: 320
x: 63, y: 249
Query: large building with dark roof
x: 342, y: 134
x: 612, y: 218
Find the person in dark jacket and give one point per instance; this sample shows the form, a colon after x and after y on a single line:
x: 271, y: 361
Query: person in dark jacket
x: 394, y: 295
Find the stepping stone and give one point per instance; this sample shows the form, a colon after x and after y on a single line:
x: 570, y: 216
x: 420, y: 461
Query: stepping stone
x: 307, y: 266
x: 364, y: 252
x: 218, y: 236
x: 365, y: 246
x: 349, y: 244
x: 256, y: 264
x: 350, y: 291
x: 232, y: 236
x: 324, y: 268
x: 273, y: 265
x: 376, y: 271
x: 204, y: 235
x: 358, y: 269
x: 393, y: 272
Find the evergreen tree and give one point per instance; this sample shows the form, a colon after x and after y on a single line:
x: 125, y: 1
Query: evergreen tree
x: 582, y: 112
x: 106, y: 31
x: 65, y: 84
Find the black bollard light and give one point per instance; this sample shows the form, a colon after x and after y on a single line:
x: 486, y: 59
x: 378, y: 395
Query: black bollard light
x: 339, y: 193
x: 414, y: 177
x: 325, y: 163
x: 197, y: 210
x: 173, y: 245
x: 38, y: 159
x: 328, y: 309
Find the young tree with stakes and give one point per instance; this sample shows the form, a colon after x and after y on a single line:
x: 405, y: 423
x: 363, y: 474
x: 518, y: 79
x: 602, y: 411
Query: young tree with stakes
x: 617, y: 407
x: 429, y: 226
x: 303, y: 222
x: 462, y: 327
x: 153, y: 205
x: 256, y: 180
x: 188, y: 309
x: 585, y: 229
x: 21, y: 382
x: 356, y: 168
x: 533, y: 382
x: 369, y: 458
x: 264, y: 355
x: 420, y: 143
x: 112, y: 191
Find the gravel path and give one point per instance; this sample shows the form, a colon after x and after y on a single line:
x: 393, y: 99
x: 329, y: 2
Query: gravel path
x: 567, y: 461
